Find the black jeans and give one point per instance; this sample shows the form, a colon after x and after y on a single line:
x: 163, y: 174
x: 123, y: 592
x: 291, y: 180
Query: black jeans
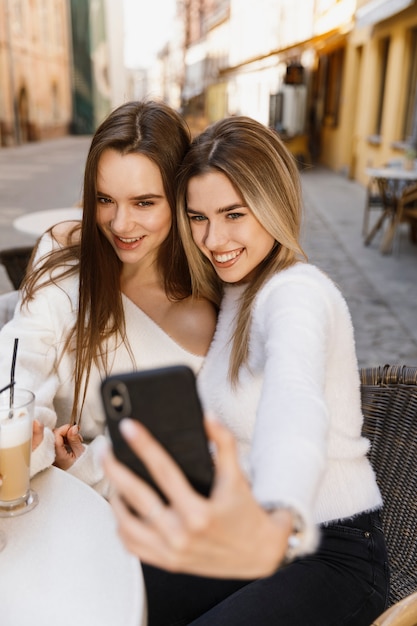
x: 344, y: 583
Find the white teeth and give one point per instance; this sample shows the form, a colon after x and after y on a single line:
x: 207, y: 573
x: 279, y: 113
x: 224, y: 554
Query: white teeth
x: 129, y: 240
x: 222, y: 258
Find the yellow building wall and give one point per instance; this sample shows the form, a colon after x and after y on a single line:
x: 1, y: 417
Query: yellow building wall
x: 361, y: 84
x: 338, y: 142
x: 396, y: 86
x: 351, y: 146
x: 216, y: 102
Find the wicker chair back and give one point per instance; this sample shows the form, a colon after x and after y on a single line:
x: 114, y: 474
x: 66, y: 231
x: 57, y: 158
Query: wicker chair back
x: 389, y: 404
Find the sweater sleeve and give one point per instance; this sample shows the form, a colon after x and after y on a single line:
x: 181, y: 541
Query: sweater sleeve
x: 41, y: 327
x: 44, y: 455
x: 288, y: 456
x: 35, y: 325
x: 88, y: 467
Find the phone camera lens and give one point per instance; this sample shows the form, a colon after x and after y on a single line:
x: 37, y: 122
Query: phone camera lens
x: 116, y: 401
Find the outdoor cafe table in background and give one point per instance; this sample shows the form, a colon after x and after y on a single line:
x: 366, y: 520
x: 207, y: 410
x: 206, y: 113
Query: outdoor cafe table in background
x: 64, y: 562
x: 390, y: 181
x: 37, y: 222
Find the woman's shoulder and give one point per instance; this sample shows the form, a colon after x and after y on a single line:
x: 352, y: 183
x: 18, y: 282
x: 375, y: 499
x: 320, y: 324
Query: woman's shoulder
x: 52, y: 279
x: 197, y: 318
x: 66, y: 233
x: 302, y: 273
x: 199, y: 312
x: 302, y: 284
x: 57, y: 238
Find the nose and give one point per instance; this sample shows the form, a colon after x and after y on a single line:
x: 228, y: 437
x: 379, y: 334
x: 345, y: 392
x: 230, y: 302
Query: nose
x: 215, y: 235
x: 121, y: 222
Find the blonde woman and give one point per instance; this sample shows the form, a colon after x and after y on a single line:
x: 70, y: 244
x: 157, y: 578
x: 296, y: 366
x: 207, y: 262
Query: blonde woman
x: 291, y: 532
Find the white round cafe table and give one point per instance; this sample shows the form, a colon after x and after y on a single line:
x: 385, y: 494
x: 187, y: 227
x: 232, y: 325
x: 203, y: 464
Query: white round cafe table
x: 64, y: 563
x: 37, y: 222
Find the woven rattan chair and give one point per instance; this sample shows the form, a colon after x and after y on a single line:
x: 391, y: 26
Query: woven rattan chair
x: 389, y: 404
x: 15, y: 261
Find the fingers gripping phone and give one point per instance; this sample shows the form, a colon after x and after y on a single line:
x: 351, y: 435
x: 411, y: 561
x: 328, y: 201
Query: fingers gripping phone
x: 166, y: 402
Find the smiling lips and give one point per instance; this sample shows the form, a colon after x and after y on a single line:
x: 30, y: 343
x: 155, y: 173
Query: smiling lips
x: 227, y: 257
x: 127, y: 243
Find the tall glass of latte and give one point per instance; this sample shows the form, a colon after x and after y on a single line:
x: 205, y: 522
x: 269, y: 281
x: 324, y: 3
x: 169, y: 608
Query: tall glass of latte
x: 16, y: 416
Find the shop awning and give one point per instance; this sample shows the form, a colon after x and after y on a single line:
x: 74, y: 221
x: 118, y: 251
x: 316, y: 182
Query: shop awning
x: 378, y: 10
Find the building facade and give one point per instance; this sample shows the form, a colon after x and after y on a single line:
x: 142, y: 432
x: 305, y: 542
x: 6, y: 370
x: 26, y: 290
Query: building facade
x: 35, y: 76
x: 61, y: 67
x: 100, y: 80
x: 337, y: 78
x: 383, y: 53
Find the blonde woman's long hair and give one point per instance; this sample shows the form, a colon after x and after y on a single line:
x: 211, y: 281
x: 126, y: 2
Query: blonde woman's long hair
x: 152, y: 129
x: 264, y: 173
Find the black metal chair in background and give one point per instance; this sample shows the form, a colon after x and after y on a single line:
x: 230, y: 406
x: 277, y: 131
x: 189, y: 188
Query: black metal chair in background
x: 379, y: 197
x: 15, y: 262
x: 373, y: 201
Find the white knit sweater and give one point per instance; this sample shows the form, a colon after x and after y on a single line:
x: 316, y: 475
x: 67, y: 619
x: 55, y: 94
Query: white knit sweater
x: 296, y: 412
x: 42, y: 327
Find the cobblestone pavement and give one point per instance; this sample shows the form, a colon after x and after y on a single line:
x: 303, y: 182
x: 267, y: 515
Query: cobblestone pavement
x: 381, y: 290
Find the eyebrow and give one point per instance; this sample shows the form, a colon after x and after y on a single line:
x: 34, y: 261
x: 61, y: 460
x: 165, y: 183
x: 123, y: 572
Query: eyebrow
x: 145, y: 196
x: 220, y: 210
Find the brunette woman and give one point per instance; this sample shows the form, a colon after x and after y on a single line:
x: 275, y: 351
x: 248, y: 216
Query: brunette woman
x: 111, y: 293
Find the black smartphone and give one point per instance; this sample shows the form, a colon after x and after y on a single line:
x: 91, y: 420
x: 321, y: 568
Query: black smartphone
x: 165, y: 400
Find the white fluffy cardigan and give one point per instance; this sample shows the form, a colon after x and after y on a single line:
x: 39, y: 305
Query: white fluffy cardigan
x: 296, y: 412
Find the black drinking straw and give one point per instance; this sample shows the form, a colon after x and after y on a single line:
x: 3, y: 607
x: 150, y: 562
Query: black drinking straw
x: 5, y: 388
x: 12, y: 381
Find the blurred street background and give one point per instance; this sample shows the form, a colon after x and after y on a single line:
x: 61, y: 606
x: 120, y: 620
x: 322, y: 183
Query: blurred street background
x: 337, y: 79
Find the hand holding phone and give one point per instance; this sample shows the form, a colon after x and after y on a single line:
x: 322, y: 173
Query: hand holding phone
x: 165, y: 400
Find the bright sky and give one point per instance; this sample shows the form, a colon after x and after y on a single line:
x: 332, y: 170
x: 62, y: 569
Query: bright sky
x: 147, y: 28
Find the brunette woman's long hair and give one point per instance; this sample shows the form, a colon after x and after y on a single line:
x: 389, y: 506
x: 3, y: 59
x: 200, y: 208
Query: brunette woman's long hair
x: 158, y: 132
x: 265, y: 175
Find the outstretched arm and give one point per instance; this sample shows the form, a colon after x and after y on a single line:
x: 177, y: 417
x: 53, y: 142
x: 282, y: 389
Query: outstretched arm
x: 227, y: 535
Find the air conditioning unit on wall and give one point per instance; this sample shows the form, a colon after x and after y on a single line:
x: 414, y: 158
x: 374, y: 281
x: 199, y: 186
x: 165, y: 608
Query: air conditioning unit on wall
x: 294, y: 109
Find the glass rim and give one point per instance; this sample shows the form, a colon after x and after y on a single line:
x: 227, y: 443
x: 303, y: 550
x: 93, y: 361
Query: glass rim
x: 26, y: 397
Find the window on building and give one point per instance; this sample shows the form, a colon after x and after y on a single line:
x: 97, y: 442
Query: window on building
x: 17, y: 22
x: 382, y: 67
x: 44, y: 21
x: 410, y: 121
x: 333, y: 86
x: 57, y: 30
x: 32, y: 11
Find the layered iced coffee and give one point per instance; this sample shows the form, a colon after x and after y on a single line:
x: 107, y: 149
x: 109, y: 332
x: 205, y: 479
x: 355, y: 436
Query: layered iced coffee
x: 16, y: 417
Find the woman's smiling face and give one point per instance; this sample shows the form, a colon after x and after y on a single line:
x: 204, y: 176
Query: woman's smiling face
x: 132, y: 209
x: 224, y: 228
